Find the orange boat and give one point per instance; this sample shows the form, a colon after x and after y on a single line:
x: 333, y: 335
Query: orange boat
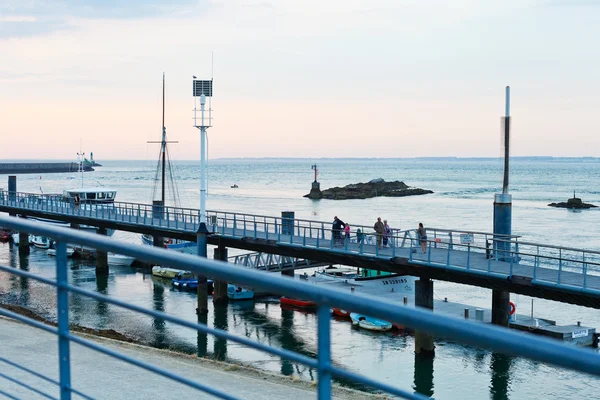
x: 298, y: 303
x: 338, y: 312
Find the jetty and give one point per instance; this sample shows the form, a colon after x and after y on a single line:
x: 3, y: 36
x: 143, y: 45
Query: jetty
x: 41, y: 167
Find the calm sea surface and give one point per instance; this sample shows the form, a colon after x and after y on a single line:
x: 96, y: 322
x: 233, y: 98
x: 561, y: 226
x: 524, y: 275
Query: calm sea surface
x: 463, y: 199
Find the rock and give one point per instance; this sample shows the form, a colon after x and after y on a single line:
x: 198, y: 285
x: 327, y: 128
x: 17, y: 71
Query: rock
x: 574, y: 203
x: 375, y: 188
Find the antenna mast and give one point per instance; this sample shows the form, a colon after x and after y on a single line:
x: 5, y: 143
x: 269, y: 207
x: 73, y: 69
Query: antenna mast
x: 202, y: 89
x: 506, y: 141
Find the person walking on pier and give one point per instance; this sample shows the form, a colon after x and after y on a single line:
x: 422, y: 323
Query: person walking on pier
x: 336, y: 230
x: 379, y: 229
x: 387, y: 233
x: 347, y: 233
x: 359, y: 237
x: 77, y: 200
x: 422, y: 233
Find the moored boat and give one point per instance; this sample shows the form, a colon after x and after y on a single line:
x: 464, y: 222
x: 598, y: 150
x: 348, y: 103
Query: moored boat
x: 52, y: 252
x: 186, y: 280
x: 236, y: 292
x: 370, y: 323
x: 41, y: 242
x: 385, y: 282
x: 339, y: 312
x: 165, y: 272
x: 120, y: 260
x: 4, y: 236
x: 181, y: 246
x: 297, y: 303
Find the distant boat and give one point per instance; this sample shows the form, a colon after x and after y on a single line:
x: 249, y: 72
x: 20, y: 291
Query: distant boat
x: 370, y: 323
x: 52, y: 252
x: 234, y: 186
x: 235, y: 292
x: 120, y: 260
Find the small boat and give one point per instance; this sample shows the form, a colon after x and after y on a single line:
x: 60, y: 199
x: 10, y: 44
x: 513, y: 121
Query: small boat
x: 234, y: 186
x: 235, y: 292
x: 120, y: 260
x: 339, y: 312
x: 370, y: 323
x: 52, y: 252
x: 4, y: 236
x: 179, y: 245
x: 41, y: 242
x: 297, y: 303
x: 165, y: 272
x: 188, y: 281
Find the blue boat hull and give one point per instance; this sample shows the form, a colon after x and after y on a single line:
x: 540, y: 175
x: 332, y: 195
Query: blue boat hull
x: 370, y: 323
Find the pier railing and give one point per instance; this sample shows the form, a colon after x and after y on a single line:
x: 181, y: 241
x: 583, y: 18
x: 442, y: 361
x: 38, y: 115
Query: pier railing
x: 497, y: 339
x: 476, y: 252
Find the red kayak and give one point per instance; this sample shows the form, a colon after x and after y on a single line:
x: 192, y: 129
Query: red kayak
x: 298, y: 303
x: 338, y: 312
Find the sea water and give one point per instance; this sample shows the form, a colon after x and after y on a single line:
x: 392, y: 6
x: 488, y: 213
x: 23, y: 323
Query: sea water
x: 462, y: 200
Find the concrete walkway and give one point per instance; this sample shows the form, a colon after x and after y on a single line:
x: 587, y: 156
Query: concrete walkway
x: 103, y: 377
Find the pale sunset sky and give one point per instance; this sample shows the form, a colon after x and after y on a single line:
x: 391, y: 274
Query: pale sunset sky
x: 327, y: 78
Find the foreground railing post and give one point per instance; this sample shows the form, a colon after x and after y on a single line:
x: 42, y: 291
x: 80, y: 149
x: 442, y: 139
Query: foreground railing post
x: 62, y: 300
x: 324, y: 353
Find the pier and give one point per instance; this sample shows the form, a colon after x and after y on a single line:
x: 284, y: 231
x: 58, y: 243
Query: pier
x: 42, y: 167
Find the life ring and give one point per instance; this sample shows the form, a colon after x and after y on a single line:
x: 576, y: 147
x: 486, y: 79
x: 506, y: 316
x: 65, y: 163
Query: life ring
x: 513, y: 308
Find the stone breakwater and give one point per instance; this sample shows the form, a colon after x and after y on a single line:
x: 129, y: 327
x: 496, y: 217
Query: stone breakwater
x: 36, y: 168
x: 374, y: 188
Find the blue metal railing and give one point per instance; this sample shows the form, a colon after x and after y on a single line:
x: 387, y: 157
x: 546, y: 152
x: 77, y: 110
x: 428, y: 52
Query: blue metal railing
x: 495, y: 338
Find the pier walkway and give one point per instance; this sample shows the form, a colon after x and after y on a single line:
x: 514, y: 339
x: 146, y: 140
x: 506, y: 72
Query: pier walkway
x: 476, y: 258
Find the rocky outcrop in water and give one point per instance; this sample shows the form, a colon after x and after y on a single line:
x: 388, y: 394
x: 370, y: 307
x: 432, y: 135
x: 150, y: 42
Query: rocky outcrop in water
x: 574, y: 203
x: 373, y: 188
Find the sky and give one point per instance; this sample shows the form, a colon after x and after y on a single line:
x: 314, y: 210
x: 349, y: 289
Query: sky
x: 327, y: 78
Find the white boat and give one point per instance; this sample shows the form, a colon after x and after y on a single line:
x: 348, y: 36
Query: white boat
x: 385, y: 283
x: 52, y: 252
x: 236, y: 292
x: 120, y: 260
x: 370, y: 323
x: 181, y: 246
x: 41, y: 242
x: 165, y: 272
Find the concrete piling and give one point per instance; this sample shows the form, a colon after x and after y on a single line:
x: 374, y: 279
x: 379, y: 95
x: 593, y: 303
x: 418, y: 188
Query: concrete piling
x: 424, y: 298
x: 101, y: 257
x: 202, y: 293
x: 23, y: 243
x: 220, y: 287
x: 158, y: 212
x: 500, y: 307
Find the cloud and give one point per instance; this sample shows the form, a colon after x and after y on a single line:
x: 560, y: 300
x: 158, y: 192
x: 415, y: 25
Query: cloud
x: 38, y: 17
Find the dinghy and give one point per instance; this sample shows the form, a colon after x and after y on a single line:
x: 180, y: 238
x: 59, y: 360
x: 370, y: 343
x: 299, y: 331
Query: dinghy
x: 165, y: 272
x: 188, y: 281
x: 120, y: 260
x: 41, y: 242
x: 370, y: 323
x: 235, y: 292
x: 297, y: 303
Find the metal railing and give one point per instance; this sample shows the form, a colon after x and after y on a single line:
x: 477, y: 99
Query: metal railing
x: 566, y: 268
x: 491, y: 337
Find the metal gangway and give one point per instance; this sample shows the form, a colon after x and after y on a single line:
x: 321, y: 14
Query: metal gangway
x: 272, y: 262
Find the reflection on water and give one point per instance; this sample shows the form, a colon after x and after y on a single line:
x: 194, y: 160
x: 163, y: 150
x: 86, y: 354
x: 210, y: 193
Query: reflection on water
x: 461, y: 372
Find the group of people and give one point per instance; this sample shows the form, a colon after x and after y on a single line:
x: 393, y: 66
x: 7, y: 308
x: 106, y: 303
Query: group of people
x: 340, y: 232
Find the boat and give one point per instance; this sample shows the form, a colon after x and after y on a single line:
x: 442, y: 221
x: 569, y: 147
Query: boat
x: 236, y: 292
x: 120, y: 260
x: 297, y: 303
x: 370, y: 323
x: 169, y: 243
x: 15, y: 238
x: 165, y: 272
x: 339, y: 312
x: 52, y: 252
x: 41, y: 242
x: 385, y: 282
x: 186, y: 280
x: 4, y: 236
x: 234, y: 186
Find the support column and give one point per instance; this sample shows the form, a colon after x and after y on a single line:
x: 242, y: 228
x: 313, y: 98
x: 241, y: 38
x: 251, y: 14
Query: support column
x: 424, y: 298
x: 158, y: 212
x: 101, y: 257
x: 500, y: 307
x: 23, y: 242
x: 423, y: 377
x: 220, y: 287
x: 201, y: 240
x: 12, y: 190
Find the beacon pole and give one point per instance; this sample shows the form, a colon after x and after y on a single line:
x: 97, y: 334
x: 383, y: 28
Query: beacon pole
x: 202, y: 89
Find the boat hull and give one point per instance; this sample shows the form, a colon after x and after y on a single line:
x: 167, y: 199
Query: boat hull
x: 298, y: 303
x: 52, y: 252
x: 164, y: 272
x: 120, y: 260
x: 175, y: 245
x: 235, y: 292
x: 370, y: 323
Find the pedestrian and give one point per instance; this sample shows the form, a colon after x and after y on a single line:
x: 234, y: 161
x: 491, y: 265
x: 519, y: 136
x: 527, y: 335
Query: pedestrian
x: 77, y: 201
x: 422, y: 233
x: 359, y: 236
x: 347, y: 233
x: 387, y: 233
x: 336, y: 230
x: 378, y: 227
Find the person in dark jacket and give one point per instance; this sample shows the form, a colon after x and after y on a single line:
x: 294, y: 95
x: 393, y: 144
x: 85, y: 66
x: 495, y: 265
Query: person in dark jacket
x: 379, y: 229
x: 336, y: 230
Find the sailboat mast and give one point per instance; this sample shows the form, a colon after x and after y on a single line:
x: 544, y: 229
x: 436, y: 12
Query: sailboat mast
x: 164, y: 143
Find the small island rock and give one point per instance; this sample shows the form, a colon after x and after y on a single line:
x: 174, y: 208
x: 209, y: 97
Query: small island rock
x: 574, y: 203
x: 374, y: 188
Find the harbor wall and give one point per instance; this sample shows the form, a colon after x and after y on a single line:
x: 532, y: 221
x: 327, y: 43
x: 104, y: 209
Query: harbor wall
x: 32, y: 168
